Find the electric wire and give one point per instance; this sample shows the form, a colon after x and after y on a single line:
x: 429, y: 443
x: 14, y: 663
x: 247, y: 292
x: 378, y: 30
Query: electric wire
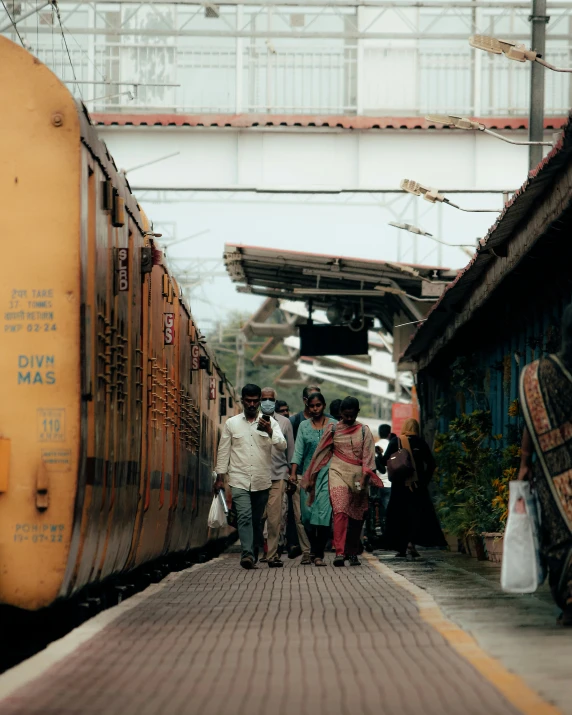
x: 55, y: 4
x: 89, y: 59
x: 13, y: 24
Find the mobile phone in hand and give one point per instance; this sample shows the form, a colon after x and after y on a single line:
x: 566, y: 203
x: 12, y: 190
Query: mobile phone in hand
x: 266, y: 418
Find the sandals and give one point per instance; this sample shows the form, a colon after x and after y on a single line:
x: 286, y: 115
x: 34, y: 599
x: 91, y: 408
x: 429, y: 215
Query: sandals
x: 565, y: 618
x: 354, y: 561
x: 413, y: 551
x: 319, y: 562
x: 339, y: 560
x: 306, y: 560
x: 248, y: 563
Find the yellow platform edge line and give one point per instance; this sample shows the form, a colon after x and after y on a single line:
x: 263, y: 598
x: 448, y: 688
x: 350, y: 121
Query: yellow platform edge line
x: 512, y: 686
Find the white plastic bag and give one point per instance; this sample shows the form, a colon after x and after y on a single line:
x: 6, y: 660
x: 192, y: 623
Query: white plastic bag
x: 217, y: 513
x: 522, y: 570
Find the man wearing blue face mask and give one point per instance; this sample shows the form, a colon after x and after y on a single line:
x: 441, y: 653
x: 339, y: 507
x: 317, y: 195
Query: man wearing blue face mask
x: 279, y: 474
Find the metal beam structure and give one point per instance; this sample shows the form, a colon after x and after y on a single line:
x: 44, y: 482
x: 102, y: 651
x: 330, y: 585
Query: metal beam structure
x: 373, y: 375
x: 270, y: 161
x: 291, y: 56
x: 293, y: 34
x: 433, y: 4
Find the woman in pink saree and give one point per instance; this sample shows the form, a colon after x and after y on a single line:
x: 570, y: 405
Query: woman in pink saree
x: 349, y: 448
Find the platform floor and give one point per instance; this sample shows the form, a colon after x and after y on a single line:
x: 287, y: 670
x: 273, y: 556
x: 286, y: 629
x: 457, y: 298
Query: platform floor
x: 218, y: 640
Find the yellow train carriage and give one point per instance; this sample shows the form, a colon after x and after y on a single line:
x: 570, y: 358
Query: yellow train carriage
x: 107, y: 429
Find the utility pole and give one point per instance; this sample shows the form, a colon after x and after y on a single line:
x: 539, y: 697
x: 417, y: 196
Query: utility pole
x: 240, y: 345
x: 539, y: 20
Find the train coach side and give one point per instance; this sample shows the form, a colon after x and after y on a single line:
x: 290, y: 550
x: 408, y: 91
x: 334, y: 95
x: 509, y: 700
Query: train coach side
x: 107, y: 434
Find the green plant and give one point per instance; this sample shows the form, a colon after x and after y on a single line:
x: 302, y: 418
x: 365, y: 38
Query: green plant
x: 467, y: 466
x: 468, y: 378
x: 509, y: 461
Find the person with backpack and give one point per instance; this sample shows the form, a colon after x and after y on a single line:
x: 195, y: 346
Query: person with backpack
x: 411, y: 519
x: 304, y: 414
x: 348, y: 449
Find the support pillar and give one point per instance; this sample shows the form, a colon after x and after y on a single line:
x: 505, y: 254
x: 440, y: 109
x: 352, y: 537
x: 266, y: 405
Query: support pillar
x: 539, y: 20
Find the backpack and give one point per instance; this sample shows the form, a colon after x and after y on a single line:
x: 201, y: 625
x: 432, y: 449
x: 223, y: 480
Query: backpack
x: 400, y: 466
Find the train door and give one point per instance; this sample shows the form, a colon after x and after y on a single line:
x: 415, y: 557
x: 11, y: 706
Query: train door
x: 98, y: 341
x: 178, y: 536
x: 169, y: 376
x: 154, y: 520
x: 127, y: 426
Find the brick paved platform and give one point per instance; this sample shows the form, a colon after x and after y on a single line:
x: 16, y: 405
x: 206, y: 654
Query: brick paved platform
x: 219, y: 640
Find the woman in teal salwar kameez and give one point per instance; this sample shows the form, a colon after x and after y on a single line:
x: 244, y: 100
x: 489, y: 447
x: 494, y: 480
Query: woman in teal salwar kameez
x: 317, y: 517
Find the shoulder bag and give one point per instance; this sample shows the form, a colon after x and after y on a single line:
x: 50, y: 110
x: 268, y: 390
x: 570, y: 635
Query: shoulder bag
x: 400, y: 466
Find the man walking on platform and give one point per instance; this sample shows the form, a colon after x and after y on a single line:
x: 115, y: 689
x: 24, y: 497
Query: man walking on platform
x: 280, y: 470
x: 243, y: 467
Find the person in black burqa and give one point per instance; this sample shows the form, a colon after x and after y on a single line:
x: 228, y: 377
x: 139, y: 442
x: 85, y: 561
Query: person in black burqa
x: 411, y: 518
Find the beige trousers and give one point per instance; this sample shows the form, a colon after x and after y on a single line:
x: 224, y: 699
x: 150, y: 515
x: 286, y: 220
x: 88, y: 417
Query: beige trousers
x: 274, y: 516
x: 302, y: 535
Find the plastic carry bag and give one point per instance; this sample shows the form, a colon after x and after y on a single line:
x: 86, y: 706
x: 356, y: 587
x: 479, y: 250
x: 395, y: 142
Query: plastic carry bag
x: 522, y: 568
x: 218, y: 511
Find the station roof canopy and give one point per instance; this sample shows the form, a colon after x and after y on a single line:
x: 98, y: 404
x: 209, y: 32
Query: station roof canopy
x: 388, y: 289
x: 534, y: 216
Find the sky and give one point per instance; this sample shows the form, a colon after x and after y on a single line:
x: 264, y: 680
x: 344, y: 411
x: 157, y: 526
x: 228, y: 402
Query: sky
x: 291, y: 222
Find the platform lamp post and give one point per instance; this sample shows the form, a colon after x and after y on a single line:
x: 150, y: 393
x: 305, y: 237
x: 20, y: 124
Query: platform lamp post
x: 433, y: 196
x: 451, y: 120
x: 520, y: 53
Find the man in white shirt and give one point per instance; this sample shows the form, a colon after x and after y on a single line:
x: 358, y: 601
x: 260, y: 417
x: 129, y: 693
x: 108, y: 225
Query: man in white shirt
x: 384, y: 493
x: 381, y: 445
x: 243, y: 467
x: 280, y: 471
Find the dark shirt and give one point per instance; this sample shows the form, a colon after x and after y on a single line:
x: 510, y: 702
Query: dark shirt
x: 424, y: 461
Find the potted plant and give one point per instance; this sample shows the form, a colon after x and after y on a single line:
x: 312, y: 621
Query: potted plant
x: 465, y: 472
x: 509, y: 460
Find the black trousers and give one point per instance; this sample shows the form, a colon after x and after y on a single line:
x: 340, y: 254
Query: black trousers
x: 318, y: 536
x: 291, y: 531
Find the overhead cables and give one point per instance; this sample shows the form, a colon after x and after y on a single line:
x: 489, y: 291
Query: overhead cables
x: 55, y: 5
x: 13, y: 24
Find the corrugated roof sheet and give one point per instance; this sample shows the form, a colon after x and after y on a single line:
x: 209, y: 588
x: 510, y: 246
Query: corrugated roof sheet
x: 246, y: 121
x: 539, y: 181
x: 296, y: 275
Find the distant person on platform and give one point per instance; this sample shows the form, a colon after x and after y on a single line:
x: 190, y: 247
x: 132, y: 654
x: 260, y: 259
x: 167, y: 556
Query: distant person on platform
x: 385, y: 437
x: 299, y: 417
x: 382, y: 493
x: 282, y: 408
x: 244, y: 466
x: 411, y: 518
x: 280, y: 472
x: 335, y: 406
